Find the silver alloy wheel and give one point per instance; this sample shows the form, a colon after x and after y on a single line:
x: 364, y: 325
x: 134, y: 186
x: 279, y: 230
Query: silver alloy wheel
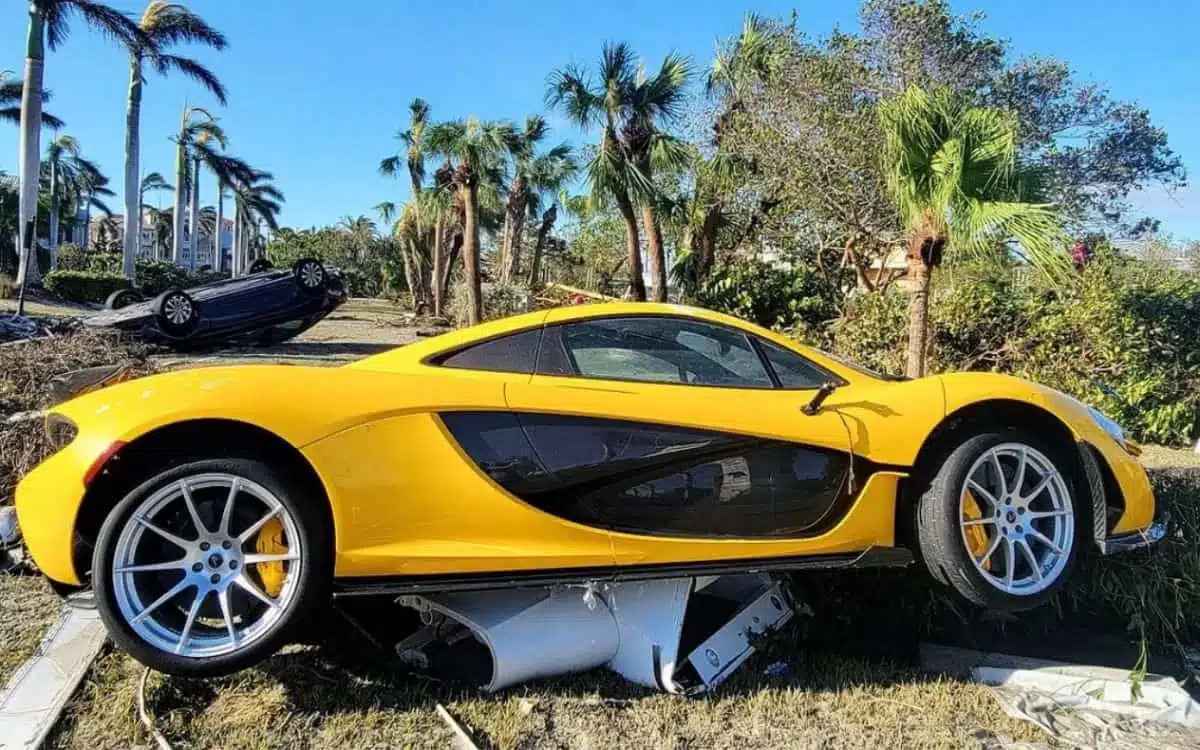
x: 311, y: 274
x: 178, y: 309
x: 210, y: 601
x: 1016, y: 506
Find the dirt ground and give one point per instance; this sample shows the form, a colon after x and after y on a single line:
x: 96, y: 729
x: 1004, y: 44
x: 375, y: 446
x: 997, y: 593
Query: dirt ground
x: 340, y: 692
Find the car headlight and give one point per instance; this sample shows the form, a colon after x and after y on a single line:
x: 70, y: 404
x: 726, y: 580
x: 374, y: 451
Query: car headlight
x: 1107, y: 424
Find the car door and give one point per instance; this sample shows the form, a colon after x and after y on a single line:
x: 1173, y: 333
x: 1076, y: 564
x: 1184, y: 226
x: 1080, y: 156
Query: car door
x: 679, y: 436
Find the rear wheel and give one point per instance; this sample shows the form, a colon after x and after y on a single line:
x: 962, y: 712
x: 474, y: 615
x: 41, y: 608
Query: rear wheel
x: 206, y: 568
x: 121, y: 298
x: 310, y: 276
x: 999, y: 523
x: 261, y: 265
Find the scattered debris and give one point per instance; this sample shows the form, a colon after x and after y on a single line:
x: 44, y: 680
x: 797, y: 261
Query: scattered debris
x: 462, y: 740
x: 1083, y: 706
x: 144, y: 715
x: 16, y: 329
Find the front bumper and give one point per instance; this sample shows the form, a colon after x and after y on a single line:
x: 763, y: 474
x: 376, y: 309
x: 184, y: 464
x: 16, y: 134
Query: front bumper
x: 1132, y: 540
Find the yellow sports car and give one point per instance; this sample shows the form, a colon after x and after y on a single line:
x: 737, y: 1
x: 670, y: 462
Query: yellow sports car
x: 210, y: 509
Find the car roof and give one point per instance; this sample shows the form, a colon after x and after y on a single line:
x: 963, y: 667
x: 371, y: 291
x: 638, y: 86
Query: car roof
x: 405, y: 356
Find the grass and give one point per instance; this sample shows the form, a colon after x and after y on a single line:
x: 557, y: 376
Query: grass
x: 324, y: 697
x: 27, y: 609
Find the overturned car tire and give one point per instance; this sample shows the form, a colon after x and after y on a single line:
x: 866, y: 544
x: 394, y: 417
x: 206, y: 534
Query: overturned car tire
x: 310, y: 275
x: 122, y: 298
x: 176, y: 313
x: 262, y: 265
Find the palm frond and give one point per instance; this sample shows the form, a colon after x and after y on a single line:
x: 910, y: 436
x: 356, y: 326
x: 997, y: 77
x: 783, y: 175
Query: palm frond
x: 193, y: 70
x: 173, y: 23
x: 108, y: 21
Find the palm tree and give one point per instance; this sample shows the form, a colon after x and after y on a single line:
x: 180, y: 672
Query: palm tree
x: 628, y: 108
x: 255, y: 201
x: 152, y: 183
x: 533, y: 175
x: 49, y: 25
x: 413, y: 159
x: 10, y: 102
x: 69, y: 177
x: 478, y: 149
x: 191, y: 132
x: 162, y: 24
x: 953, y: 174
x: 88, y: 193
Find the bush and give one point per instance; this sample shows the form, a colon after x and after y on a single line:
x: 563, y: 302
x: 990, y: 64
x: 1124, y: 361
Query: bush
x: 157, y: 276
x: 499, y: 301
x: 1123, y: 326
x: 71, y: 257
x: 772, y: 296
x: 84, y: 286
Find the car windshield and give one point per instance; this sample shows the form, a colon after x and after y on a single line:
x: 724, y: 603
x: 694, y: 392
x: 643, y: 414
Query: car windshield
x: 860, y: 368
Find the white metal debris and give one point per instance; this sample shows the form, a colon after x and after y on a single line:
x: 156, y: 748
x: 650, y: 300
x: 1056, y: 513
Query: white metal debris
x: 636, y: 629
x: 1084, y: 706
x: 38, y: 692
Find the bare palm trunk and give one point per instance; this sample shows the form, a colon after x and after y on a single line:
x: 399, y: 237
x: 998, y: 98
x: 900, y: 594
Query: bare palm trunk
x: 133, y: 192
x: 633, y: 250
x: 918, y: 318
x: 535, y: 264
x: 194, y: 217
x: 28, y: 273
x: 514, y: 225
x: 452, y: 254
x: 54, y: 217
x: 471, y: 254
x: 656, y: 255
x: 87, y: 219
x: 708, y: 242
x: 235, y: 259
x: 181, y: 184
x: 219, y: 265
x: 439, y: 229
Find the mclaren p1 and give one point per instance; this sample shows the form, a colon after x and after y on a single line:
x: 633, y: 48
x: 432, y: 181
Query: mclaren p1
x: 562, y: 488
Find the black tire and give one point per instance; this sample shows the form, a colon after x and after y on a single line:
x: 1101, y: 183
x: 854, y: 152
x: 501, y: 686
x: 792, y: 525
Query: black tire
x: 176, y: 313
x: 261, y: 265
x: 310, y: 276
x: 940, y: 535
x: 122, y: 298
x: 312, y: 586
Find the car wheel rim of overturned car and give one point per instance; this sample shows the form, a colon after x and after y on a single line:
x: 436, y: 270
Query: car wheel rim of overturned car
x: 1016, y: 518
x: 178, y: 309
x: 186, y: 569
x: 311, y: 275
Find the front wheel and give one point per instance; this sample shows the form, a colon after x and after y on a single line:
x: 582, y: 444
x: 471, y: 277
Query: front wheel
x: 205, y: 569
x: 177, y: 313
x: 999, y: 523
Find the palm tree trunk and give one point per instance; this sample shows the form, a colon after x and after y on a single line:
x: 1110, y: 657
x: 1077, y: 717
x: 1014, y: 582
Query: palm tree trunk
x: 194, y: 217
x: 435, y: 276
x: 633, y: 250
x: 514, y: 221
x: 918, y: 317
x: 219, y: 252
x: 535, y: 263
x: 133, y: 191
x: 235, y: 259
x: 513, y: 271
x: 28, y: 273
x: 708, y: 242
x: 656, y: 256
x: 87, y: 219
x: 54, y: 217
x: 181, y: 177
x: 471, y: 254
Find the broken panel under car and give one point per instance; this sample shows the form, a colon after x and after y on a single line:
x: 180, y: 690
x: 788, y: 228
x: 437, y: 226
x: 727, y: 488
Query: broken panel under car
x: 679, y: 635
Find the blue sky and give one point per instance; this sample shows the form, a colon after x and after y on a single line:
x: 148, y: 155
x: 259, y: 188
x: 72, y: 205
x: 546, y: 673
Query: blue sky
x: 316, y: 94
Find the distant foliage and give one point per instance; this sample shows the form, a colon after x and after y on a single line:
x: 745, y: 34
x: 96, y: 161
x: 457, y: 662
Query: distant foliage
x: 499, y: 301
x: 1127, y: 326
x: 157, y: 276
x: 371, y: 266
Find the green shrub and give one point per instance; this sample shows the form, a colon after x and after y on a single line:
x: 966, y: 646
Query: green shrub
x: 772, y: 296
x: 499, y: 301
x: 1123, y: 326
x: 83, y: 286
x: 71, y: 257
x: 157, y: 276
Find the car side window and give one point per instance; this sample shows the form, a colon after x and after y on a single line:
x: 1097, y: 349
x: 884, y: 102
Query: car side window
x: 513, y: 353
x: 664, y: 350
x: 792, y: 370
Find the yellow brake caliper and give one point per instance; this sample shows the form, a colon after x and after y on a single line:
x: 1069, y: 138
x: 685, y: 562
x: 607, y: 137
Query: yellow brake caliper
x: 977, y: 538
x: 270, y: 542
